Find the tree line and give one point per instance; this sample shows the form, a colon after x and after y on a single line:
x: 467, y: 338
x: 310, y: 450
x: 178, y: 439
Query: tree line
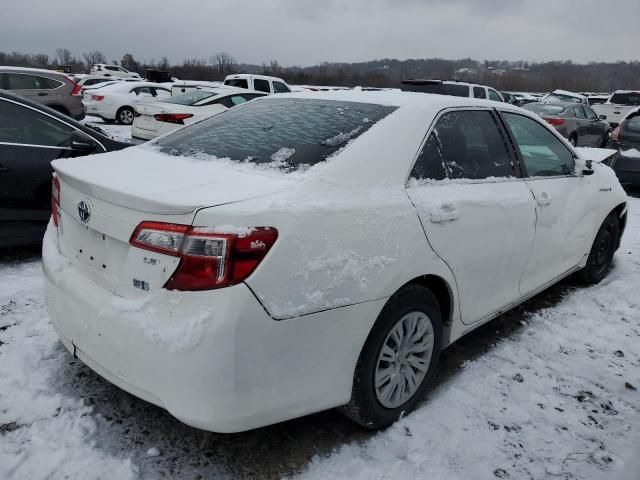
x: 501, y: 74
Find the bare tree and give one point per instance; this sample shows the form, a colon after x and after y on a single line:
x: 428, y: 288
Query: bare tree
x: 130, y: 63
x: 223, y: 63
x: 64, y: 56
x: 93, y: 57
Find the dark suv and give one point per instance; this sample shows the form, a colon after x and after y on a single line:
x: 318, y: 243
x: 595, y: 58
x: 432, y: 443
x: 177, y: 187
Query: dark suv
x: 54, y: 89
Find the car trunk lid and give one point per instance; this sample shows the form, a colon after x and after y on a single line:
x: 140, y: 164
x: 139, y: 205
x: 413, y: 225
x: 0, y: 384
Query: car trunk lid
x: 103, y: 198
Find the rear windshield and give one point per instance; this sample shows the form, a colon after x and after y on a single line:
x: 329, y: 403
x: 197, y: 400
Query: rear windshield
x: 544, y: 108
x: 439, y: 88
x: 558, y: 97
x: 626, y: 98
x: 238, y: 82
x: 285, y: 133
x: 190, y: 98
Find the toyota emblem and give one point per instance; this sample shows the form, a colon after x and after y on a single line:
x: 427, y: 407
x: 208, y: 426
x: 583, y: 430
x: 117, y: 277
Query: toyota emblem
x: 84, y: 211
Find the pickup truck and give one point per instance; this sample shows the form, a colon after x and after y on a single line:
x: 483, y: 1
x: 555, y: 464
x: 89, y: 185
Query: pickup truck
x: 261, y: 83
x: 617, y: 106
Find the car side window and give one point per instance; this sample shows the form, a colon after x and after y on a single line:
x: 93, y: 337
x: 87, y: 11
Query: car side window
x: 279, y: 87
x: 479, y: 92
x: 464, y: 144
x: 261, y: 85
x: 590, y: 113
x: 237, y: 100
x: 18, y: 81
x: 543, y: 154
x: 493, y: 95
x: 578, y: 112
x: 160, y: 92
x: 22, y: 125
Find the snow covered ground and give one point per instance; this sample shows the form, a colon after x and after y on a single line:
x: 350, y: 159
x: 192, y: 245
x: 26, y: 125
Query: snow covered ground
x: 121, y: 133
x: 549, y: 390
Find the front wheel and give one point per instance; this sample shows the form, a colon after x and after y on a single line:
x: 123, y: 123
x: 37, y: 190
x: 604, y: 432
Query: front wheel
x: 602, y: 250
x: 398, y: 359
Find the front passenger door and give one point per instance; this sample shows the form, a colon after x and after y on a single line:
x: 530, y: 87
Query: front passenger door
x: 477, y: 214
x: 564, y: 212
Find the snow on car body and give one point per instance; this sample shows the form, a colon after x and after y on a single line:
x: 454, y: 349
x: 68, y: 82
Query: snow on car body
x: 116, y: 101
x: 154, y: 119
x: 239, y: 293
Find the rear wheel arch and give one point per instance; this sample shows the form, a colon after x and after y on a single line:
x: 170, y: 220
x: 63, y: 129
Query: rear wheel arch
x: 443, y: 292
x: 621, y: 212
x: 59, y: 108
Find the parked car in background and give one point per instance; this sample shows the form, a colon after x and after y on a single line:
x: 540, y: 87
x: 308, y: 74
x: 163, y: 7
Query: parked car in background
x: 53, y: 89
x: 261, y: 83
x: 90, y: 80
x: 509, y: 98
x: 522, y: 98
x: 157, y: 118
x: 216, y: 271
x: 31, y: 136
x: 618, y: 105
x: 596, y: 99
x: 183, y: 86
x: 449, y: 87
x: 578, y: 123
x: 113, y: 71
x: 626, y: 138
x: 116, y: 102
x: 563, y: 96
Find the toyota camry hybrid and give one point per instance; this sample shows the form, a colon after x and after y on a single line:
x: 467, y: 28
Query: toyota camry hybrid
x: 309, y: 251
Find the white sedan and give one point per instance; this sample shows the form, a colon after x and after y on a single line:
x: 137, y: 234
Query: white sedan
x: 154, y: 119
x: 116, y: 101
x: 310, y: 251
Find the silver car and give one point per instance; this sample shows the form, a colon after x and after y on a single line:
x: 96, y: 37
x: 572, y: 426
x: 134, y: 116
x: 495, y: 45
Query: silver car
x: 54, y: 89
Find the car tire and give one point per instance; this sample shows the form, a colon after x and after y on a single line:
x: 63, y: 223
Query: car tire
x: 602, y: 251
x: 124, y: 116
x: 376, y: 403
x: 573, y: 139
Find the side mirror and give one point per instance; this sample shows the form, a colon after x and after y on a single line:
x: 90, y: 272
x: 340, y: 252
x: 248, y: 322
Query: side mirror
x: 81, y: 142
x: 588, y: 168
x: 602, y: 117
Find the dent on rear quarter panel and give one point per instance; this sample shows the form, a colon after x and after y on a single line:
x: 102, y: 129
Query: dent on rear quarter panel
x: 334, y: 248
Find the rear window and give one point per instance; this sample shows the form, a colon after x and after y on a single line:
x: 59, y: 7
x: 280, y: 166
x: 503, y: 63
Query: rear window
x: 237, y: 82
x: 439, y: 88
x: 190, y: 98
x: 558, y: 97
x: 626, y: 98
x: 285, y: 133
x: 541, y: 108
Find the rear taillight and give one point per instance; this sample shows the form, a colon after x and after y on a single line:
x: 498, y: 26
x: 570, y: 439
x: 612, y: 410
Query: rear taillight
x: 55, y: 199
x: 208, y: 258
x: 615, y: 135
x: 554, y: 121
x: 172, y: 117
x: 76, y: 90
x: 97, y: 98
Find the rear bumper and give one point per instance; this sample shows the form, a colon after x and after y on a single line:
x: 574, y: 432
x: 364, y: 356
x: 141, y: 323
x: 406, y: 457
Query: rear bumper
x: 215, y: 360
x: 145, y: 134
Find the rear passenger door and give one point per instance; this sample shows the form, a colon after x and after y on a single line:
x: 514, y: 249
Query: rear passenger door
x: 566, y: 216
x: 477, y: 212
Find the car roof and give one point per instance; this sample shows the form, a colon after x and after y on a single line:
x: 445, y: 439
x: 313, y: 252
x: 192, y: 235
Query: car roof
x: 228, y: 90
x: 35, y: 70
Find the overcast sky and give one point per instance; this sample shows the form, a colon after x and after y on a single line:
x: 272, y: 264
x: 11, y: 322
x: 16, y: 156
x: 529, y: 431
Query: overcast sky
x: 306, y: 32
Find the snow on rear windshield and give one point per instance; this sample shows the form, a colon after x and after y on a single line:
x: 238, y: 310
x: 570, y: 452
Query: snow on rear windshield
x: 190, y: 98
x: 286, y: 133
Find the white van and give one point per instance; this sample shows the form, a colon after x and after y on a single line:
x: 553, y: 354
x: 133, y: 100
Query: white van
x: 261, y: 83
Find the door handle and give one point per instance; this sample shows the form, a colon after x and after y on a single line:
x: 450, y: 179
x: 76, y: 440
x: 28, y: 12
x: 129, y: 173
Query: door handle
x: 544, y: 199
x: 447, y: 213
x: 42, y: 94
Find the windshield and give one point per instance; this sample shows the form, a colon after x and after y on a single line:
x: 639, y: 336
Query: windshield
x: 285, y: 133
x: 544, y: 108
x: 190, y: 98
